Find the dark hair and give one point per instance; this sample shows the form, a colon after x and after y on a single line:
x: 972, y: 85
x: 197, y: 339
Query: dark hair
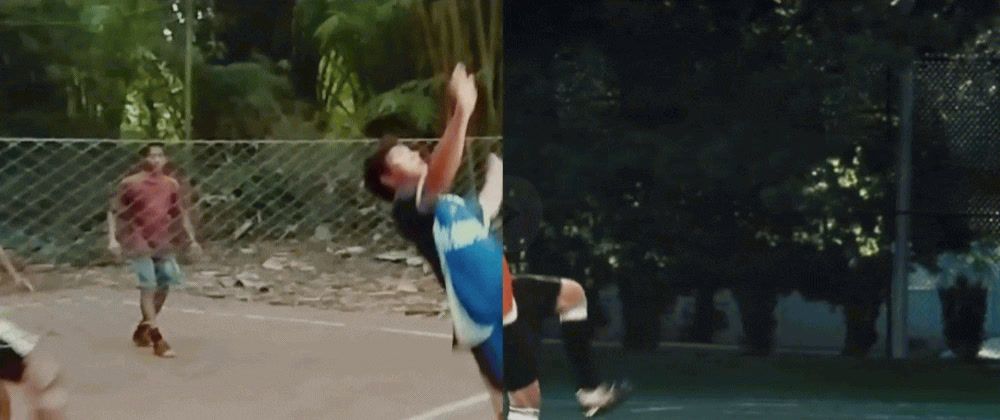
x: 144, y: 151
x: 375, y: 167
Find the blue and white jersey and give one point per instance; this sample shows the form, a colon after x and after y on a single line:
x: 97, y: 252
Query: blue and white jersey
x: 471, y: 258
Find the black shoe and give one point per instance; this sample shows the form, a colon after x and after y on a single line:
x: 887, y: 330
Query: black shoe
x: 160, y: 346
x: 141, y: 336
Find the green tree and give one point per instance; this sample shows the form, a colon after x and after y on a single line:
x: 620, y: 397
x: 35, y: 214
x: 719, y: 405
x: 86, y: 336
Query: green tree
x: 722, y: 112
x: 97, y: 57
x: 383, y: 63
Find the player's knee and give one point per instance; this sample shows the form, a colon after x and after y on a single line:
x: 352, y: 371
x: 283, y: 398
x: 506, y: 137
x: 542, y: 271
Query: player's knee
x: 529, y: 397
x: 43, y: 379
x: 572, y: 302
x: 525, y: 403
x: 41, y: 374
x: 570, y: 294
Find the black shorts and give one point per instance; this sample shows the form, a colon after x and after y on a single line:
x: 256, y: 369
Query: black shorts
x: 479, y: 353
x: 536, y: 298
x: 15, y: 345
x: 494, y: 380
x: 11, y: 363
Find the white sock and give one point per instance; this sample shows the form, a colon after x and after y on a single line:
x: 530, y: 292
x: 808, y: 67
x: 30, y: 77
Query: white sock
x: 523, y: 413
x: 576, y: 313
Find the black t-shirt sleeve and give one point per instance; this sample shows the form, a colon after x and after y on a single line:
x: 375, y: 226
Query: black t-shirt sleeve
x: 417, y: 228
x: 408, y: 217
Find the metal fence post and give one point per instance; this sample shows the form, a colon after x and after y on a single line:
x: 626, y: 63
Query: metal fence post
x: 901, y: 253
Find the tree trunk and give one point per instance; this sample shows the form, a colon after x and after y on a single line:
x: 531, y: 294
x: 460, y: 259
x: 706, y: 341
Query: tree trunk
x: 862, y: 333
x: 963, y: 308
x: 640, y: 313
x: 703, y: 326
x: 757, y: 317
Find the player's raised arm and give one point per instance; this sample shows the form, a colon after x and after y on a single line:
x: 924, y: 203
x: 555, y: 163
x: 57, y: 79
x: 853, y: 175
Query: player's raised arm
x: 491, y: 195
x: 8, y: 265
x: 447, y: 156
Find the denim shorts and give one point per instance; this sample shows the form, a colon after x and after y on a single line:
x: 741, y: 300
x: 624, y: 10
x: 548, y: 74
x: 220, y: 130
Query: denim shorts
x: 157, y: 272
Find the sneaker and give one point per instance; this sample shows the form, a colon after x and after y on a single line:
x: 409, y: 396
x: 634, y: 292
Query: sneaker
x: 160, y: 346
x: 602, y: 399
x: 141, y: 336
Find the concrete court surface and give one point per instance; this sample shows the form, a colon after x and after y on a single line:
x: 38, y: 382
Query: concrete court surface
x: 239, y: 360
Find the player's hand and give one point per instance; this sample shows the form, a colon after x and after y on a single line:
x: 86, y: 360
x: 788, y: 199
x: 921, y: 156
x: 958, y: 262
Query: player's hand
x: 462, y: 87
x: 195, y: 250
x: 19, y: 279
x: 115, y: 249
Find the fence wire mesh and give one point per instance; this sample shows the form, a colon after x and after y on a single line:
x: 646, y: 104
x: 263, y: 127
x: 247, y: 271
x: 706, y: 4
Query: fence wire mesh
x: 956, y: 189
x: 55, y: 194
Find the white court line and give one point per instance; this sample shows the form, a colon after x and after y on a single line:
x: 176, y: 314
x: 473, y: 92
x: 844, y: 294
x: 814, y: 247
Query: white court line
x: 767, y: 404
x: 655, y: 409
x: 420, y: 333
x: 295, y: 320
x: 299, y: 321
x: 742, y: 413
x: 183, y: 310
x: 452, y: 407
x: 192, y: 311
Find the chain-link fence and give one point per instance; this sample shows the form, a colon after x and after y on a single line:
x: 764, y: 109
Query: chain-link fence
x: 956, y: 173
x: 948, y: 201
x: 55, y: 194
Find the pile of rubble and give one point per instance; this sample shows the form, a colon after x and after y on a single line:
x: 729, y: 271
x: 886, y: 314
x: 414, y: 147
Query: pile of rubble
x: 322, y: 275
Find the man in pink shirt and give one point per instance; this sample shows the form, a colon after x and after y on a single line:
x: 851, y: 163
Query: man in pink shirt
x: 142, y: 228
